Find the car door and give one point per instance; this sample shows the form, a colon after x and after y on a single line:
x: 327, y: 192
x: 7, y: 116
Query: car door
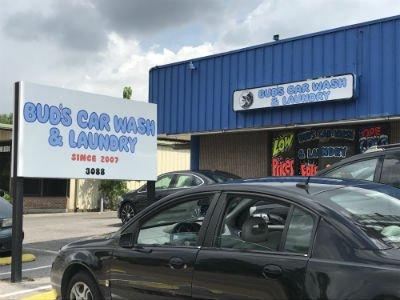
x: 156, y: 253
x: 257, y: 248
x: 390, y: 173
x: 163, y: 187
x: 186, y: 180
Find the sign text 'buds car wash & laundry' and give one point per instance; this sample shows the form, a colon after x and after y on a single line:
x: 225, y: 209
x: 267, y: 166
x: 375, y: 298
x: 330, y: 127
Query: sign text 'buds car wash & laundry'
x: 301, y: 92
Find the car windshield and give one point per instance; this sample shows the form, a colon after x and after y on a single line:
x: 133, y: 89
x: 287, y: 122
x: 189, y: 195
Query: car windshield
x: 5, y: 209
x: 220, y: 177
x: 375, y: 210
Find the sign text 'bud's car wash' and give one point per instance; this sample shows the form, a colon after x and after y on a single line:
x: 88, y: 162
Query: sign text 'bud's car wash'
x: 289, y: 107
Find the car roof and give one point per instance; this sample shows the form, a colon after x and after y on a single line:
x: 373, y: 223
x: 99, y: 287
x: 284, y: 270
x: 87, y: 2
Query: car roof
x: 303, y: 190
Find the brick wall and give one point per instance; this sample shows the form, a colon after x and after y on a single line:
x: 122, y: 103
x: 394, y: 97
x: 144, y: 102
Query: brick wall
x: 395, y: 132
x: 45, y: 203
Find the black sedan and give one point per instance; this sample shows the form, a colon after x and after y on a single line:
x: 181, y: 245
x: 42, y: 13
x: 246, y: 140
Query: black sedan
x: 168, y: 184
x: 283, y: 238
x: 5, y: 225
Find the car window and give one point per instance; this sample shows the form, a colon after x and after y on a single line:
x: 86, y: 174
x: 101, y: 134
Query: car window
x: 374, y: 209
x: 251, y: 223
x: 391, y: 171
x: 178, y: 225
x: 364, y: 169
x: 164, y: 182
x: 299, y: 234
x: 186, y: 180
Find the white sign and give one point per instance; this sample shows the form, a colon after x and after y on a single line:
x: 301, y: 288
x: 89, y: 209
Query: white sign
x: 301, y: 92
x: 71, y: 134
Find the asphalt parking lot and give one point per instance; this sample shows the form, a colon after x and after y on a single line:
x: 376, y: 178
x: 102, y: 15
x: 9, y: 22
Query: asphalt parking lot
x: 45, y: 234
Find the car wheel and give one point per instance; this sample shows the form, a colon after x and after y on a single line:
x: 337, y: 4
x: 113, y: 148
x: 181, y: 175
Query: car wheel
x: 83, y: 287
x: 127, y: 212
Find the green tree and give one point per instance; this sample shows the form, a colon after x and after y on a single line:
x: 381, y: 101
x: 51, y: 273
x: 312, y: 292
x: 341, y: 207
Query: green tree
x: 6, y: 118
x: 111, y: 191
x: 127, y: 93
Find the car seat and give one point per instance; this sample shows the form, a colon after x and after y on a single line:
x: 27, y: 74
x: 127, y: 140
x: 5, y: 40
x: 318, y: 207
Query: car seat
x: 255, y: 231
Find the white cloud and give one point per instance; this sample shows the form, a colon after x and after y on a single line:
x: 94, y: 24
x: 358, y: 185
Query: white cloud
x: 297, y: 17
x: 125, y: 63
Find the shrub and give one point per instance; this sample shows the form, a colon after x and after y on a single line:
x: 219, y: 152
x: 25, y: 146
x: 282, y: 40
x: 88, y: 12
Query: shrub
x: 111, y: 191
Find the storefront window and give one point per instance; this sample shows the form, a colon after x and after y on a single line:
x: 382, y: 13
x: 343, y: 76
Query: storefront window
x: 37, y: 187
x: 305, y: 152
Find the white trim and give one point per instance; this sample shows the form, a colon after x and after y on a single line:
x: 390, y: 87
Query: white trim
x: 41, y: 250
x: 30, y: 269
x: 45, y: 287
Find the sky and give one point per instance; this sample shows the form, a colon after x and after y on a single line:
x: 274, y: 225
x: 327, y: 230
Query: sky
x: 100, y: 46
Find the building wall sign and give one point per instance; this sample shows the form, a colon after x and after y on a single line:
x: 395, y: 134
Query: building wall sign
x: 71, y: 134
x: 301, y: 92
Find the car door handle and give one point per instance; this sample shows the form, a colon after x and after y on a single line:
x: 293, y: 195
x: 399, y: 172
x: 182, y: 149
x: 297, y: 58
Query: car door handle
x: 272, y: 271
x: 176, y: 263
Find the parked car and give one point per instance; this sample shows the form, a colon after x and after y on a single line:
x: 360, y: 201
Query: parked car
x: 281, y: 238
x: 378, y: 164
x: 5, y: 225
x: 167, y: 184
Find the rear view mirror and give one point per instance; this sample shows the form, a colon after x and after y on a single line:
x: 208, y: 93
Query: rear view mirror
x: 125, y: 240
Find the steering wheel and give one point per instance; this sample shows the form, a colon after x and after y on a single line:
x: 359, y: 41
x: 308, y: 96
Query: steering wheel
x: 184, y: 233
x: 186, y: 227
x: 276, y: 220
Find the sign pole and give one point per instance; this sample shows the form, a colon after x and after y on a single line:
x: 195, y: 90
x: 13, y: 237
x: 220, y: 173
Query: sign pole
x: 151, y: 190
x: 18, y: 195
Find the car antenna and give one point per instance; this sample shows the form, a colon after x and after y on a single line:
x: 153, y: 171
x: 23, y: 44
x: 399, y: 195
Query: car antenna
x: 304, y: 185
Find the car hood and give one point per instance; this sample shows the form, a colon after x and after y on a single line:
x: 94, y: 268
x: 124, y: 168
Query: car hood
x: 130, y: 194
x: 92, y: 242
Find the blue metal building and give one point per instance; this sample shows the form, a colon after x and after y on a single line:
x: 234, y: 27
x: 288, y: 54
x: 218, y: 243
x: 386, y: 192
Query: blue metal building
x: 208, y: 99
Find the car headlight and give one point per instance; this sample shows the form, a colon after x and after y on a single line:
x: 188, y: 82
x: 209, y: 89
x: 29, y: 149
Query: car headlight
x: 6, y: 222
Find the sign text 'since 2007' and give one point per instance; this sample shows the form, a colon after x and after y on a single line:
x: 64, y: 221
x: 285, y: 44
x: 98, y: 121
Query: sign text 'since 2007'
x: 82, y: 135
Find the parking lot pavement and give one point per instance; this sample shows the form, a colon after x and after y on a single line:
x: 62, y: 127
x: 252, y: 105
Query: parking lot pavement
x: 45, y: 234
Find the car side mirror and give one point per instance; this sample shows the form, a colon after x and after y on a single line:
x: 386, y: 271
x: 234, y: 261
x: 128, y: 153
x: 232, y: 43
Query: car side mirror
x: 126, y: 240
x: 2, y: 193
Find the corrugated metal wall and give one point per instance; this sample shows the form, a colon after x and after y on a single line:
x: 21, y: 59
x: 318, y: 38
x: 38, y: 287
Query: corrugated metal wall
x: 168, y: 159
x: 244, y: 154
x: 200, y: 100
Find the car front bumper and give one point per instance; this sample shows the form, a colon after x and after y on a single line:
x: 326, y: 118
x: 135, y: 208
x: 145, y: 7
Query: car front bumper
x: 5, y: 239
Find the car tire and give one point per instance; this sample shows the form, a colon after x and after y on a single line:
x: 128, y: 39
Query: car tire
x: 127, y: 212
x: 82, y: 284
